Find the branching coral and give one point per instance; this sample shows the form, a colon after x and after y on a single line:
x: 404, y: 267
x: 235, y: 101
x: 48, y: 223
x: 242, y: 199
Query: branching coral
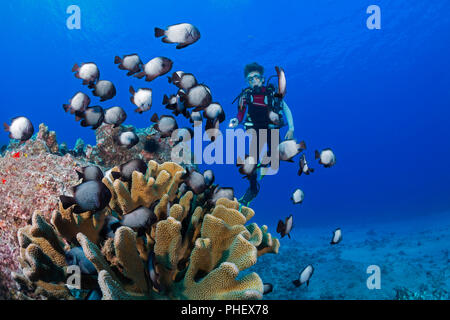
x: 194, y: 250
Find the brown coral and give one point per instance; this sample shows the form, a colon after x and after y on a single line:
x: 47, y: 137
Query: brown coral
x: 192, y: 251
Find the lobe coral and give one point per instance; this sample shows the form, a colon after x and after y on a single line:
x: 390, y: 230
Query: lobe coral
x: 180, y: 246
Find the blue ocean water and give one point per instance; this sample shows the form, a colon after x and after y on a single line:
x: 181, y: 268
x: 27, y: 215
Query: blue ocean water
x: 379, y: 98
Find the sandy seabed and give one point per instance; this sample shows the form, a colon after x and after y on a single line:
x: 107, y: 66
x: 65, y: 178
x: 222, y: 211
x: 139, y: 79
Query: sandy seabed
x: 413, y: 257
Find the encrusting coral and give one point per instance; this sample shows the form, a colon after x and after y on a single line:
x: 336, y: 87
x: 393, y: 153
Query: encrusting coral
x: 195, y: 249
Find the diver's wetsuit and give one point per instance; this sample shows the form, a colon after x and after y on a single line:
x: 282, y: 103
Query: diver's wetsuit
x: 259, y: 102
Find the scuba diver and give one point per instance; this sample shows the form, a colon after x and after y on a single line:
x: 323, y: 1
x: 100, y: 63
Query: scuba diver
x: 262, y: 104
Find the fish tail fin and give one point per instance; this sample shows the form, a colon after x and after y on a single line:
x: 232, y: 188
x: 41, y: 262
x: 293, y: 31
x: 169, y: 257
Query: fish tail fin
x: 289, y: 235
x: 165, y: 99
x: 170, y: 79
x: 80, y: 175
x: 75, y: 67
x: 116, y: 175
x: 280, y: 226
x: 138, y: 110
x: 316, y: 154
x: 154, y: 117
x: 176, y: 77
x: 117, y: 60
x: 159, y: 32
x: 131, y: 89
x: 67, y: 201
x: 311, y: 169
x: 302, y: 145
x: 140, y: 75
x: 66, y: 107
x: 182, y: 45
x: 182, y: 95
x: 6, y: 126
x: 150, y: 78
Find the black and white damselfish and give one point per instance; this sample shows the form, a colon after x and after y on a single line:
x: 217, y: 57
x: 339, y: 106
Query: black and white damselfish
x: 198, y: 96
x: 93, y: 117
x: 126, y: 170
x: 20, y: 128
x: 184, y: 34
x: 90, y: 173
x: 104, y: 89
x: 115, y: 116
x: 88, y: 196
x: 142, y: 99
x: 77, y: 104
x: 304, y: 276
x: 130, y: 62
x: 154, y: 68
x: 284, y: 228
x: 88, y: 72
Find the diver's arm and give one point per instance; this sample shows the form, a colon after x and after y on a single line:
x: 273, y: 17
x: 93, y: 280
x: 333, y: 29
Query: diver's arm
x: 241, y: 113
x: 288, y: 115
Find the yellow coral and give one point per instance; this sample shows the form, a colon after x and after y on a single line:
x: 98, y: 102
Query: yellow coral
x: 69, y: 224
x: 191, y: 252
x: 145, y: 189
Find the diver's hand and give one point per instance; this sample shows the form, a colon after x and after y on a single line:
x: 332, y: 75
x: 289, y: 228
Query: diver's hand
x: 289, y: 135
x: 233, y: 123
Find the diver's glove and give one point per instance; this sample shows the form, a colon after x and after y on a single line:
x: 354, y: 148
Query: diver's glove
x: 233, y: 123
x: 289, y: 135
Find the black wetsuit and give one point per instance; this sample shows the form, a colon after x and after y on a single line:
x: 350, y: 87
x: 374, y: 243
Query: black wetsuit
x: 259, y: 102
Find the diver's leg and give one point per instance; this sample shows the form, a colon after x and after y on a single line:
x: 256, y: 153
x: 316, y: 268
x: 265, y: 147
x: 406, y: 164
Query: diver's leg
x: 253, y: 189
x: 264, y: 167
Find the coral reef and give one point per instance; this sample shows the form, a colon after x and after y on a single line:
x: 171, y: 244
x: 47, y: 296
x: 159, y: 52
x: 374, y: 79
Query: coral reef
x: 49, y: 137
x: 194, y: 249
x: 36, y: 173
x: 108, y: 153
x: 30, y: 182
